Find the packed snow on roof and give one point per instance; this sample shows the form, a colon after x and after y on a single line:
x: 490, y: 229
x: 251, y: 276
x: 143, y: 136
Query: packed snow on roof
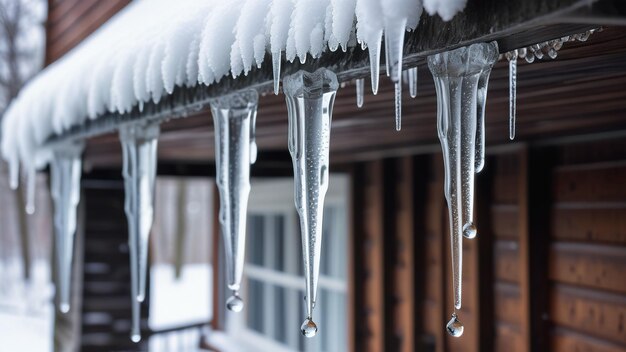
x: 150, y: 47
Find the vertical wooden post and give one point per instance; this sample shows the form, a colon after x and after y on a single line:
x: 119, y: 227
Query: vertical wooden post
x: 368, y: 250
x: 524, y: 249
x: 539, y: 165
x: 218, y: 303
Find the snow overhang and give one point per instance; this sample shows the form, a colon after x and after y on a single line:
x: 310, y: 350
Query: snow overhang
x: 159, y: 60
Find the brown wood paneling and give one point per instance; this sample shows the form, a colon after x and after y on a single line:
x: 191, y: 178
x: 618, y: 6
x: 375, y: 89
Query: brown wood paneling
x: 600, y: 182
x: 598, y: 266
x: 564, y: 340
x: 71, y: 21
x: 508, y: 338
x: 505, y: 221
x: 508, y: 307
x: 507, y: 264
x: 595, y: 313
x: 605, y: 224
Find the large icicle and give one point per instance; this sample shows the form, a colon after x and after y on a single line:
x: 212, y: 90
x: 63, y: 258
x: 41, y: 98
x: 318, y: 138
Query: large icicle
x: 65, y: 171
x: 457, y: 74
x: 310, y: 98
x: 139, y: 147
x: 235, y: 149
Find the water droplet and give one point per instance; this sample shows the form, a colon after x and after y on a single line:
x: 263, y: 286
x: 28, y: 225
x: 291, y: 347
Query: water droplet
x: 455, y: 327
x: 135, y: 338
x: 308, y: 328
x: 469, y: 230
x: 234, y: 303
x: 552, y: 53
x: 64, y: 308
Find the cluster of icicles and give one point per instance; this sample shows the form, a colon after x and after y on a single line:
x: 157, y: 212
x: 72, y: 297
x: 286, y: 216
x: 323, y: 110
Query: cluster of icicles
x: 461, y: 78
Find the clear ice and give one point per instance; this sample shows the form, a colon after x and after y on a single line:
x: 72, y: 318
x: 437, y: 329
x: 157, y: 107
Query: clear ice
x: 394, y: 46
x: 276, y: 61
x: 374, y: 54
x: 310, y: 98
x: 31, y: 183
x: 412, y: 75
x: 457, y: 75
x: 360, y: 87
x: 235, y: 150
x: 65, y: 172
x: 139, y: 151
x: 512, y: 57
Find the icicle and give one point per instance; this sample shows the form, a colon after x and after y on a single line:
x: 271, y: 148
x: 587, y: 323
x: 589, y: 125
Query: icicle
x: 398, y: 105
x: 374, y: 53
x: 235, y: 149
x: 276, y: 61
x: 31, y: 183
x: 360, y: 87
x: 310, y: 98
x: 512, y: 57
x: 14, y: 173
x: 65, y: 171
x: 481, y: 103
x: 412, y: 76
x: 457, y: 74
x: 394, y: 46
x: 139, y: 148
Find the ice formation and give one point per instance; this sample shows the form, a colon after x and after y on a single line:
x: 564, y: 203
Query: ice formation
x: 139, y: 147
x: 234, y: 117
x: 310, y: 98
x: 65, y: 172
x: 128, y: 62
x: 460, y: 77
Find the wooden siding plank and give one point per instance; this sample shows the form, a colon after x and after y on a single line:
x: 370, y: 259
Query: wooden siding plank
x: 563, y: 340
x: 589, y: 311
x: 593, y: 184
x: 602, y: 225
x: 597, y: 266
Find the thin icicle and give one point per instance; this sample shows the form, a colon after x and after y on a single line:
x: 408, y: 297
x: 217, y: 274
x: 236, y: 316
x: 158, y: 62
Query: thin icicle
x: 373, y: 49
x: 394, y: 45
x: 398, y: 104
x: 457, y: 74
x: 65, y: 171
x: 360, y: 87
x: 14, y: 172
x: 235, y: 149
x: 310, y: 98
x: 412, y: 76
x: 512, y: 57
x: 31, y: 184
x: 276, y: 61
x: 139, y: 147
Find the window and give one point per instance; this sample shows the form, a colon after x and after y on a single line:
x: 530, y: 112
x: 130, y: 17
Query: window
x: 273, y: 282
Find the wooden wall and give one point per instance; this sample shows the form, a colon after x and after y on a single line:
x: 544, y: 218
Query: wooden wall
x: 71, y: 21
x: 546, y: 273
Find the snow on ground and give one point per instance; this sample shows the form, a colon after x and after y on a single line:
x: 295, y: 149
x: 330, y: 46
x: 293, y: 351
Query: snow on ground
x: 152, y: 46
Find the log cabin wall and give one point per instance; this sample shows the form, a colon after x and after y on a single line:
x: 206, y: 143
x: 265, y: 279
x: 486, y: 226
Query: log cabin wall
x: 71, y: 21
x: 546, y: 272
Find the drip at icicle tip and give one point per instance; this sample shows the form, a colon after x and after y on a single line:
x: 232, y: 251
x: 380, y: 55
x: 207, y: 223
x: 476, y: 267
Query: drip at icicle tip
x: 308, y: 328
x: 455, y: 327
x: 64, y: 307
x: 135, y: 337
x: 469, y: 230
x: 235, y: 303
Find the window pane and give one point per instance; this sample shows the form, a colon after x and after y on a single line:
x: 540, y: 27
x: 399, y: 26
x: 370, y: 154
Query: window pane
x: 280, y: 315
x: 279, y: 236
x: 255, y: 306
x: 255, y: 239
